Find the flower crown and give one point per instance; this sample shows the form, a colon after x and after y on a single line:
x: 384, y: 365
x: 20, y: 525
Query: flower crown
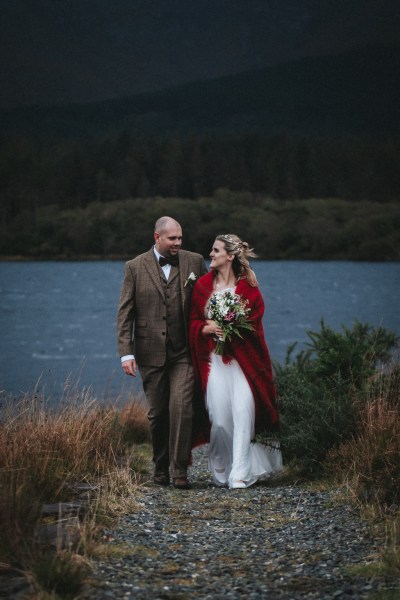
x: 236, y: 245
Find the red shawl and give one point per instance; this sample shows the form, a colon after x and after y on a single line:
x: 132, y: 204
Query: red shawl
x: 251, y: 353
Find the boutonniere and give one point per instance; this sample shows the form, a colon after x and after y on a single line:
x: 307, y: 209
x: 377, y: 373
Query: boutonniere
x: 190, y: 280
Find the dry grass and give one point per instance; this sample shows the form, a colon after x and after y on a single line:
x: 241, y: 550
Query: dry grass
x: 44, y: 451
x: 135, y: 423
x: 369, y: 463
x: 391, y: 553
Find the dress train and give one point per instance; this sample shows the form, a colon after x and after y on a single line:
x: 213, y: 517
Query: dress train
x: 232, y: 457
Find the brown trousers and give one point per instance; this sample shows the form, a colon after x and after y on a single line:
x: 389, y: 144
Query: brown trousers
x: 169, y: 393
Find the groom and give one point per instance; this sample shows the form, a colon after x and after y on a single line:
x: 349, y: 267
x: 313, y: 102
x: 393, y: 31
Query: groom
x: 152, y: 325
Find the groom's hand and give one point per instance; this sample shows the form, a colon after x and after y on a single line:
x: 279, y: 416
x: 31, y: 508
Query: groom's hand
x: 129, y: 367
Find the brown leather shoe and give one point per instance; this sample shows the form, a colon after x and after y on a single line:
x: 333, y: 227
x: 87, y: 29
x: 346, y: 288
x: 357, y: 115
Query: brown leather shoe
x: 161, y: 479
x: 182, y: 483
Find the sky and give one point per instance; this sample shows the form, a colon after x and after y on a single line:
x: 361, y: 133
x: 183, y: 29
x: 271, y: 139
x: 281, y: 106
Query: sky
x: 63, y: 51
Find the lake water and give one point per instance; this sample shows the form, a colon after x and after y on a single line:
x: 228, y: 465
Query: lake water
x: 57, y: 319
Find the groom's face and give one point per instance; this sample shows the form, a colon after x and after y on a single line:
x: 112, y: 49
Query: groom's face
x: 169, y: 240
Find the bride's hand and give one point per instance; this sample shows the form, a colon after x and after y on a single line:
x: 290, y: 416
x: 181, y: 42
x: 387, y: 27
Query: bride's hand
x: 212, y: 328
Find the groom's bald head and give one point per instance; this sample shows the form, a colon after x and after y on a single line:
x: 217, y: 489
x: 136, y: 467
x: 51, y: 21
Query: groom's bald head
x: 164, y: 223
x: 167, y: 236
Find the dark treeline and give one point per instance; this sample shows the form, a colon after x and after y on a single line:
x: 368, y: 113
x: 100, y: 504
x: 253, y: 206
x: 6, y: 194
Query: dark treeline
x: 42, y: 183
x: 74, y: 173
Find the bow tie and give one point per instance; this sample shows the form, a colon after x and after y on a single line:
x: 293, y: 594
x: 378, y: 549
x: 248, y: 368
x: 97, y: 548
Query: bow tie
x: 172, y: 260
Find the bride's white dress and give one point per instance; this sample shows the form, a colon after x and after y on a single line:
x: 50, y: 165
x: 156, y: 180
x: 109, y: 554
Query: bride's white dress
x: 232, y: 457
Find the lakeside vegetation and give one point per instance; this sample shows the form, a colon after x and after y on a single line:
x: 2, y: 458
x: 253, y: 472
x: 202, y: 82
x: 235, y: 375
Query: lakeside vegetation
x: 340, y: 407
x: 292, y: 198
x: 315, y: 229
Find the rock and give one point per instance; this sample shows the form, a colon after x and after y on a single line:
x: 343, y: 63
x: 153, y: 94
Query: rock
x: 64, y: 534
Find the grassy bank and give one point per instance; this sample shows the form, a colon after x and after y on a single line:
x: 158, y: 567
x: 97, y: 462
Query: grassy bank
x: 83, y: 460
x: 340, y: 410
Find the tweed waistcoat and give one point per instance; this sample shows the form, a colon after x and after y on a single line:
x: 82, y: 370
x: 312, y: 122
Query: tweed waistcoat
x: 175, y: 325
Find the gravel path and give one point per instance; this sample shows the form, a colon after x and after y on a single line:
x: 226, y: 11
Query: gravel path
x: 270, y: 541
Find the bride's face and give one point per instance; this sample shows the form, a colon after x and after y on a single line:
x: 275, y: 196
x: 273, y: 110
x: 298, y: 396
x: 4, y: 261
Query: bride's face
x: 219, y: 256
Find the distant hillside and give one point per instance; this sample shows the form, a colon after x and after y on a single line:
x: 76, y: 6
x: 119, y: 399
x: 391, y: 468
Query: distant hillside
x: 76, y: 51
x: 354, y: 93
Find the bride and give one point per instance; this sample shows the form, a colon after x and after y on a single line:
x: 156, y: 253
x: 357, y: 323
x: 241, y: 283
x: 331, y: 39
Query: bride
x: 238, y: 389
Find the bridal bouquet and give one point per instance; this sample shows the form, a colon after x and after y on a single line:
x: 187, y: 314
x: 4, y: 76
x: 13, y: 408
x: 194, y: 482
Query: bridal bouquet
x: 230, y: 311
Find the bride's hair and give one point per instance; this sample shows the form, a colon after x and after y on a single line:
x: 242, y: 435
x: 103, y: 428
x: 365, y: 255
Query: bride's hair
x: 242, y: 252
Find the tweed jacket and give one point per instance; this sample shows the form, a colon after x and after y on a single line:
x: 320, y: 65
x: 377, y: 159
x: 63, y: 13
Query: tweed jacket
x: 141, y: 322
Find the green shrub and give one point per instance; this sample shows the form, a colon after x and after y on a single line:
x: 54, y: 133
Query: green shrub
x: 319, y: 389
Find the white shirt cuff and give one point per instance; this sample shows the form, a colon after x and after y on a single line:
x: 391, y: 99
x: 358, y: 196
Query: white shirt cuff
x: 127, y: 357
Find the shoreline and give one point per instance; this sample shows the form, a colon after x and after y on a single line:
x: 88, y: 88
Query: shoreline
x: 114, y: 257
x: 62, y: 258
